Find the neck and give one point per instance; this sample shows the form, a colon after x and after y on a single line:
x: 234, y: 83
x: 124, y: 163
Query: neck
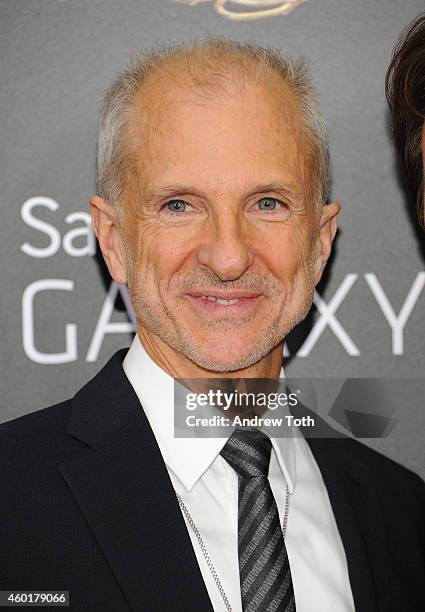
x: 179, y: 366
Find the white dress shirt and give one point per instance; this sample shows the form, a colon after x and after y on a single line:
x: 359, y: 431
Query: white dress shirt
x: 209, y: 488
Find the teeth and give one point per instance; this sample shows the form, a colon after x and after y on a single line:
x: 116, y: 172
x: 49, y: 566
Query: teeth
x: 211, y: 298
x: 227, y: 302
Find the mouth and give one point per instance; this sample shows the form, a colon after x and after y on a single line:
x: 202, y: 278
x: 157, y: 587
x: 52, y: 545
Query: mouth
x: 230, y: 303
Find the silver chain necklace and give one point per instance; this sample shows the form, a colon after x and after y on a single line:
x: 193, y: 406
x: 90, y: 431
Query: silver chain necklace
x: 204, y: 548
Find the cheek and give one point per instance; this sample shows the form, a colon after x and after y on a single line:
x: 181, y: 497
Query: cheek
x: 159, y: 253
x: 289, y: 253
x: 167, y: 255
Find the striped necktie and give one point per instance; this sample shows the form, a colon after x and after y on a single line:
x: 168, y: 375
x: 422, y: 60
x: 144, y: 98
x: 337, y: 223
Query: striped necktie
x: 265, y: 576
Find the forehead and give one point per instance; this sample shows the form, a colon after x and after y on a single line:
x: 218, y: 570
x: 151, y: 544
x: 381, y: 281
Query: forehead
x: 234, y: 130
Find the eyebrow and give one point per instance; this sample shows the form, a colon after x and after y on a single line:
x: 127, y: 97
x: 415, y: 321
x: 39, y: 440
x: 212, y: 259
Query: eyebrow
x: 167, y: 191
x: 277, y: 187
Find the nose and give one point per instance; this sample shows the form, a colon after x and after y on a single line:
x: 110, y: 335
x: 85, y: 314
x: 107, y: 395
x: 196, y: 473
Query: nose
x: 225, y: 248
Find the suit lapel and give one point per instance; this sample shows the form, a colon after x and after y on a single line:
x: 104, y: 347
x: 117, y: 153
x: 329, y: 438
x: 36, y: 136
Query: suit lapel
x: 358, y: 516
x: 122, y: 487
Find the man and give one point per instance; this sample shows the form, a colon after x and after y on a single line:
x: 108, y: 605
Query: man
x: 405, y: 89
x: 212, y: 181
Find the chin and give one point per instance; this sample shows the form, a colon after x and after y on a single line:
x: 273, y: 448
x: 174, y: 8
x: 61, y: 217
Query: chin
x: 212, y: 364
x: 219, y: 360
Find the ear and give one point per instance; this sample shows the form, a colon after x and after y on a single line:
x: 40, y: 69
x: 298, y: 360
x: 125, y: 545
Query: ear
x: 327, y: 231
x: 106, y: 227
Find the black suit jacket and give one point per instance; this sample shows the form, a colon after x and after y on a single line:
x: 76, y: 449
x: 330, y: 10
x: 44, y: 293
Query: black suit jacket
x: 87, y: 506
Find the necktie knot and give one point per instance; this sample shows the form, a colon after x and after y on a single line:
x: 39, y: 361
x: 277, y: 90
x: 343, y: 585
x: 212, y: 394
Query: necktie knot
x: 248, y: 452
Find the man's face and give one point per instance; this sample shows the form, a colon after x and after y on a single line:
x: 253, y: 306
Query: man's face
x: 221, y: 236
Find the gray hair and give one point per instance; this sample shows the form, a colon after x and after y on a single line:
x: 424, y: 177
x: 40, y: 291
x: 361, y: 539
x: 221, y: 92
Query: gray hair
x: 204, y: 65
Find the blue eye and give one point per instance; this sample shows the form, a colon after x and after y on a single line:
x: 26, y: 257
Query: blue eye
x: 268, y: 203
x: 176, y: 206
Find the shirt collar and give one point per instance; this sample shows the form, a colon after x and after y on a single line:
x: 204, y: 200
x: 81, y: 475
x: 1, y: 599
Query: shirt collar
x: 155, y: 390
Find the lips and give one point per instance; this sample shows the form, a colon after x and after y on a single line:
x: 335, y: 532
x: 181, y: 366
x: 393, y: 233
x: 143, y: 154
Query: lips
x: 224, y: 296
x: 231, y: 302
